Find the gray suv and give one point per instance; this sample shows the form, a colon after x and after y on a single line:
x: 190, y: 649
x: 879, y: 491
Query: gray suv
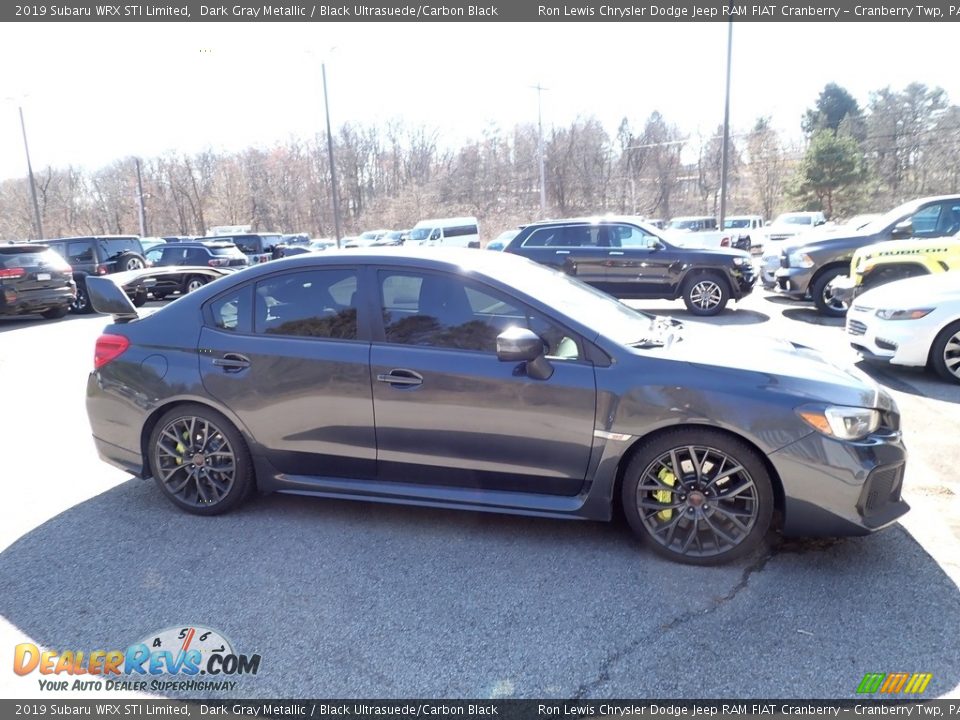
x: 810, y: 270
x: 97, y: 255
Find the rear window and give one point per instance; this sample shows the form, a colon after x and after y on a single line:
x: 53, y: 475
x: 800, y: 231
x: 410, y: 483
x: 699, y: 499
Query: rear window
x: 250, y: 245
x: 31, y: 258
x: 226, y: 251
x: 113, y: 248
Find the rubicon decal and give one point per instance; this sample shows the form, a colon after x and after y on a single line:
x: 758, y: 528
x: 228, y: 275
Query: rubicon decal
x: 187, y: 650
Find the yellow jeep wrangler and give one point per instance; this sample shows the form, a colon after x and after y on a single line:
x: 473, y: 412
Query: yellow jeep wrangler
x: 883, y: 262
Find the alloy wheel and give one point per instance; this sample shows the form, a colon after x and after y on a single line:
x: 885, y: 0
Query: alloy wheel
x: 830, y: 301
x: 951, y: 355
x: 706, y: 294
x: 697, y: 501
x: 194, y: 284
x: 195, y: 461
x: 134, y: 264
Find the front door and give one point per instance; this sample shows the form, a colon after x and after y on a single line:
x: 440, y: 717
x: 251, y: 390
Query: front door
x: 448, y: 412
x: 639, y: 265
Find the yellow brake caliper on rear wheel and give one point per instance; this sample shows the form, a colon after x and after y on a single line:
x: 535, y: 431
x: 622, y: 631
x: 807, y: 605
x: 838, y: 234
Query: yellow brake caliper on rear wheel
x: 665, y: 496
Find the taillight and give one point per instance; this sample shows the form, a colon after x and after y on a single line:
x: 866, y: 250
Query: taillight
x: 109, y: 348
x: 725, y: 242
x: 218, y: 262
x: 10, y: 273
x: 102, y: 270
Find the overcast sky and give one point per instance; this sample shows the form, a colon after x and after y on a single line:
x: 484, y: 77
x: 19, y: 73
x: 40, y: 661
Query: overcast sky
x: 93, y: 93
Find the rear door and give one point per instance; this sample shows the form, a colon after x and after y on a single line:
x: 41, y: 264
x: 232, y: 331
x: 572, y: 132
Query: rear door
x: 580, y: 249
x: 287, y: 356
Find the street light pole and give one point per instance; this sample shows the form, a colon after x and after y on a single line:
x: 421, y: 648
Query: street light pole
x: 33, y: 185
x: 543, y: 186
x: 724, y: 161
x: 143, y: 209
x: 333, y: 168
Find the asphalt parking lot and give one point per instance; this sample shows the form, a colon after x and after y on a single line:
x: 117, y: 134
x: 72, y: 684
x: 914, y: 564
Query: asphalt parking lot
x: 354, y: 600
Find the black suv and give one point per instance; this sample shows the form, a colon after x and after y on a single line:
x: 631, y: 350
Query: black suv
x: 191, y: 255
x: 630, y: 259
x: 97, y: 255
x: 34, y: 279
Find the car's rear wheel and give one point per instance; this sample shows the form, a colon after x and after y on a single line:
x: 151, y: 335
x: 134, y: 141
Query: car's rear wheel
x: 822, y: 292
x: 56, y: 312
x: 159, y: 295
x: 945, y: 353
x: 81, y: 303
x: 139, y: 299
x: 698, y: 496
x: 706, y: 294
x: 200, y: 460
x: 193, y: 283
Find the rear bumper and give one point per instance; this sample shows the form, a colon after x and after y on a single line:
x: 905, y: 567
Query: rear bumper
x: 834, y: 488
x: 34, y: 301
x: 128, y: 460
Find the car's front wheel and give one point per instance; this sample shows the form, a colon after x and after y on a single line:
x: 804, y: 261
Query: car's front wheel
x: 193, y: 283
x: 822, y: 292
x: 706, y: 295
x: 200, y: 460
x: 945, y: 353
x: 698, y: 496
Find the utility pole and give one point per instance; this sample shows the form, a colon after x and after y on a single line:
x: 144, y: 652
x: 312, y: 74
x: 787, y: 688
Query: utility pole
x: 724, y: 161
x: 143, y: 209
x: 333, y: 167
x: 543, y: 186
x: 33, y: 184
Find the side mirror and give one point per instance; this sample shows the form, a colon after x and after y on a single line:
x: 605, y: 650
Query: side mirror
x: 522, y: 345
x: 657, y: 245
x: 819, y: 222
x: 902, y: 229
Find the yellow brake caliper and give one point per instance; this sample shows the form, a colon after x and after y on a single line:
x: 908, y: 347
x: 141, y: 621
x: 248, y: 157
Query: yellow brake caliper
x: 181, y: 448
x: 665, y: 496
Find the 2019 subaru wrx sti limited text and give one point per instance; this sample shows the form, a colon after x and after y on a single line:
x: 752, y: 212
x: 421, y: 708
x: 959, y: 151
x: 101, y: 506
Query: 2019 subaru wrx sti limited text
x: 484, y: 381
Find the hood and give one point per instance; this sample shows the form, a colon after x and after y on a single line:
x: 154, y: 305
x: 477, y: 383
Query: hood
x: 778, y: 366
x: 914, y: 292
x: 814, y: 242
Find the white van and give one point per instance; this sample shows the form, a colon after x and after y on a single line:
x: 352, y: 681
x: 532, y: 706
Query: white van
x: 446, y: 232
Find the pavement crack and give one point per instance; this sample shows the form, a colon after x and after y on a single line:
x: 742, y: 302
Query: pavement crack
x: 613, y: 659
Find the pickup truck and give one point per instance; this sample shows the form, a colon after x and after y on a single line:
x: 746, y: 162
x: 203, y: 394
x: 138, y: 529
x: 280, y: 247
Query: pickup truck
x: 750, y: 229
x: 627, y: 258
x: 811, y: 265
x: 702, y: 232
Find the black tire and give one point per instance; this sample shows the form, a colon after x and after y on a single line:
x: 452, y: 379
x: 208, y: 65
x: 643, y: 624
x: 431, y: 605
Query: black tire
x: 820, y: 292
x: 891, y: 274
x: 56, y: 312
x: 81, y: 304
x: 139, y: 299
x: 159, y: 295
x: 130, y: 261
x: 945, y: 353
x: 187, y: 473
x: 706, y: 294
x: 698, y: 525
x: 191, y: 283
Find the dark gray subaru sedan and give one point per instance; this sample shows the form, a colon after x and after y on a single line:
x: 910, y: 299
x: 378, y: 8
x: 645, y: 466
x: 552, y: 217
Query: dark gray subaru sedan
x: 483, y: 381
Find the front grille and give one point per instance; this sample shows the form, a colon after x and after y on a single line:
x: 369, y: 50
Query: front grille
x: 882, y: 487
x: 862, y: 308
x: 855, y: 327
x: 777, y: 238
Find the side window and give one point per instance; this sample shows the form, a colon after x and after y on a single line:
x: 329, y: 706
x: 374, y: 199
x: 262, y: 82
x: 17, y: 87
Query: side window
x: 447, y: 312
x: 312, y: 303
x: 929, y: 220
x: 629, y: 236
x: 545, y: 237
x: 435, y: 235
x: 232, y: 311
x: 79, y: 252
x: 196, y: 256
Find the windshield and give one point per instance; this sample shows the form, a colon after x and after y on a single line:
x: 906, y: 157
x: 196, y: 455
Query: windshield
x: 225, y: 250
x: 419, y: 234
x: 115, y: 247
x: 736, y: 223
x: 788, y: 219
x: 889, y: 218
x: 684, y: 224
x: 580, y: 302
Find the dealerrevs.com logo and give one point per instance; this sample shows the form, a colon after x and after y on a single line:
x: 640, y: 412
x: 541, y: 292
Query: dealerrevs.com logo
x: 203, y: 657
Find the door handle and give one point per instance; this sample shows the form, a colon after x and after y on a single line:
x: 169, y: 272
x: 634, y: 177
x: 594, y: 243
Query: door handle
x: 232, y: 362
x: 616, y: 252
x: 563, y: 252
x: 401, y: 378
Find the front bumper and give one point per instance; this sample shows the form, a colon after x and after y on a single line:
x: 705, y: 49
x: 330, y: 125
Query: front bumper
x: 898, y: 342
x: 794, y: 282
x: 745, y: 279
x: 833, y: 488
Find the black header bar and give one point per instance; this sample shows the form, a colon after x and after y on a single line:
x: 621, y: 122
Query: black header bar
x: 478, y: 11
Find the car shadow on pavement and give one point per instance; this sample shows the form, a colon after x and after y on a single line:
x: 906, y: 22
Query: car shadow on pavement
x: 352, y: 600
x: 811, y: 316
x: 19, y: 322
x: 727, y: 317
x: 918, y: 381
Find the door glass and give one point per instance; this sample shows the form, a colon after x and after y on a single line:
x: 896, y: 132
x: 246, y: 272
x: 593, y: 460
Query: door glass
x: 313, y: 303
x: 79, y: 252
x: 445, y: 311
x: 232, y: 311
x: 629, y: 236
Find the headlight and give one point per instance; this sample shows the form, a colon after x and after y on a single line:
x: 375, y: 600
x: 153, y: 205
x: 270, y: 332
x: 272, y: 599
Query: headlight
x: 910, y: 314
x: 800, y: 260
x: 844, y: 423
x: 738, y: 261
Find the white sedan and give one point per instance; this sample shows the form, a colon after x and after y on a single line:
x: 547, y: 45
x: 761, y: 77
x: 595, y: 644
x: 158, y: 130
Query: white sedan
x: 913, y: 322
